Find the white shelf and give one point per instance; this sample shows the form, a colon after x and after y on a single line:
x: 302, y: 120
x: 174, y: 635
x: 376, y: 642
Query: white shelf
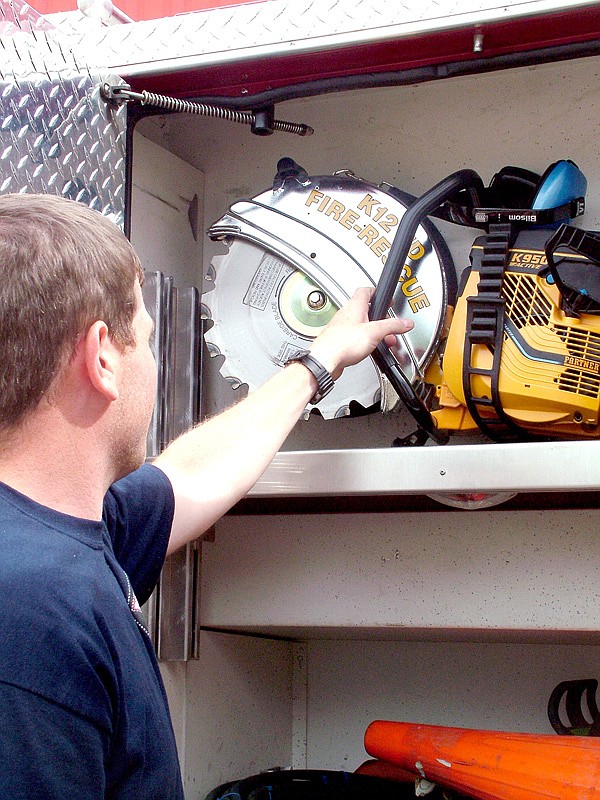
x: 487, y: 575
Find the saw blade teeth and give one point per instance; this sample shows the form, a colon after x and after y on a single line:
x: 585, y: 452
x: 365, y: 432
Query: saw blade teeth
x: 235, y: 383
x: 205, y: 312
x: 343, y: 411
x: 210, y: 276
x: 214, y: 350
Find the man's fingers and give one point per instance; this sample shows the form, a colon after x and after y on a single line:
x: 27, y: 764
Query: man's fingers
x: 395, y: 325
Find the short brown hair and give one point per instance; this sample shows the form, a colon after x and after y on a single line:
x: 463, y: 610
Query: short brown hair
x: 62, y: 267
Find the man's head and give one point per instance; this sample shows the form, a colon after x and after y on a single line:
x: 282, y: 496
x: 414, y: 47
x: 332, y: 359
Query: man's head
x: 62, y: 267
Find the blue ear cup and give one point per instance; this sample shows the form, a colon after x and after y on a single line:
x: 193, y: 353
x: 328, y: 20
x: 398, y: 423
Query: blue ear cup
x: 562, y: 182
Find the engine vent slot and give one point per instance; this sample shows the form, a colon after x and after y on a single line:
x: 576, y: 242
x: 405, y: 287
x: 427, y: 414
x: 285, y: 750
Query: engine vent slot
x: 580, y: 343
x: 579, y: 382
x: 585, y: 347
x: 525, y: 303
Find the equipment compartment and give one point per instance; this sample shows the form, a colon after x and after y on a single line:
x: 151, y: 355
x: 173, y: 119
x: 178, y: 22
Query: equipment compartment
x: 313, y: 625
x: 312, y: 621
x: 410, y: 137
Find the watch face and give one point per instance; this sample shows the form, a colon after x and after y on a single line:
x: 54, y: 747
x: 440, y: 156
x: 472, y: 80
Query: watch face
x: 296, y: 356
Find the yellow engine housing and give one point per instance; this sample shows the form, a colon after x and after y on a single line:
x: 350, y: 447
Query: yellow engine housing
x: 549, y: 376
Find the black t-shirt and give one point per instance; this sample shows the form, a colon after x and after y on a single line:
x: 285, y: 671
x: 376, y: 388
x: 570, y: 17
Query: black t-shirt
x: 83, y: 712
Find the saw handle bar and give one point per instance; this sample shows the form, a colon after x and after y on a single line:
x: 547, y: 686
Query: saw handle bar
x: 384, y: 292
x: 413, y: 216
x: 585, y: 243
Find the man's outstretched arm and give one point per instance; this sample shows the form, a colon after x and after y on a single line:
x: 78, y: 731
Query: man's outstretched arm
x: 215, y: 464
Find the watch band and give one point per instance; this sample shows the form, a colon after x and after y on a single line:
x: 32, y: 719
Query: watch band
x: 325, y: 382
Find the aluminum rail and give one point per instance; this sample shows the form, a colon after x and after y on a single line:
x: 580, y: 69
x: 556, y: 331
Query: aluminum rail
x: 523, y: 467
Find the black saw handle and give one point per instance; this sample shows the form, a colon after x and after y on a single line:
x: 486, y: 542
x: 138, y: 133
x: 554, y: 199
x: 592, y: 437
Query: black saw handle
x: 384, y: 291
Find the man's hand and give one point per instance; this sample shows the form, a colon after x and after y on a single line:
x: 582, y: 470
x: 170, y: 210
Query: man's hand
x: 350, y: 336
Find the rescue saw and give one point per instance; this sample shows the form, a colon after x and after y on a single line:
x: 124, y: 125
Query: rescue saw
x: 513, y: 353
x: 296, y: 253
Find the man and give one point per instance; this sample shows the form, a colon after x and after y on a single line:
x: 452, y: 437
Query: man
x: 84, y: 528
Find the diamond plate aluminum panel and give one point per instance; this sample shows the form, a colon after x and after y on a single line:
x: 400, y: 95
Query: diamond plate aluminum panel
x: 281, y: 27
x: 17, y: 16
x: 27, y: 55
x: 30, y: 44
x: 58, y: 136
x: 223, y: 35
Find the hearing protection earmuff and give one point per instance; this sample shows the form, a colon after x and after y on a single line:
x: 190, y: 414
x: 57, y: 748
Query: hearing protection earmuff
x: 522, y: 198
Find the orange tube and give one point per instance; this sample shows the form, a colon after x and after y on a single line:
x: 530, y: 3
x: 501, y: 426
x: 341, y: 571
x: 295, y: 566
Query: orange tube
x: 492, y: 765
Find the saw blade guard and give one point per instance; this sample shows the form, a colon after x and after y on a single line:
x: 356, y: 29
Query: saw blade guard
x: 295, y: 254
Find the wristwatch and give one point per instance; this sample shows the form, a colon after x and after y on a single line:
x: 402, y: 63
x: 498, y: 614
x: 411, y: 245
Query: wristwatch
x: 325, y: 382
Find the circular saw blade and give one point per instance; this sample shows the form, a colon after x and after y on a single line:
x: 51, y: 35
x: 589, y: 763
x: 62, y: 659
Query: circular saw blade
x: 261, y: 315
x: 298, y: 252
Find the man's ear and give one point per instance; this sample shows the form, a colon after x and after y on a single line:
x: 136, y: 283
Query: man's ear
x: 101, y: 359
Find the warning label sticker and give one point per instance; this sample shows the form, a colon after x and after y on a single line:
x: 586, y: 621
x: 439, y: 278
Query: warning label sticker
x: 264, y: 281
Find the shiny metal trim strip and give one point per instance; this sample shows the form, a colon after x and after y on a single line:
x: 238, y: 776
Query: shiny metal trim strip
x: 228, y: 35
x: 524, y: 467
